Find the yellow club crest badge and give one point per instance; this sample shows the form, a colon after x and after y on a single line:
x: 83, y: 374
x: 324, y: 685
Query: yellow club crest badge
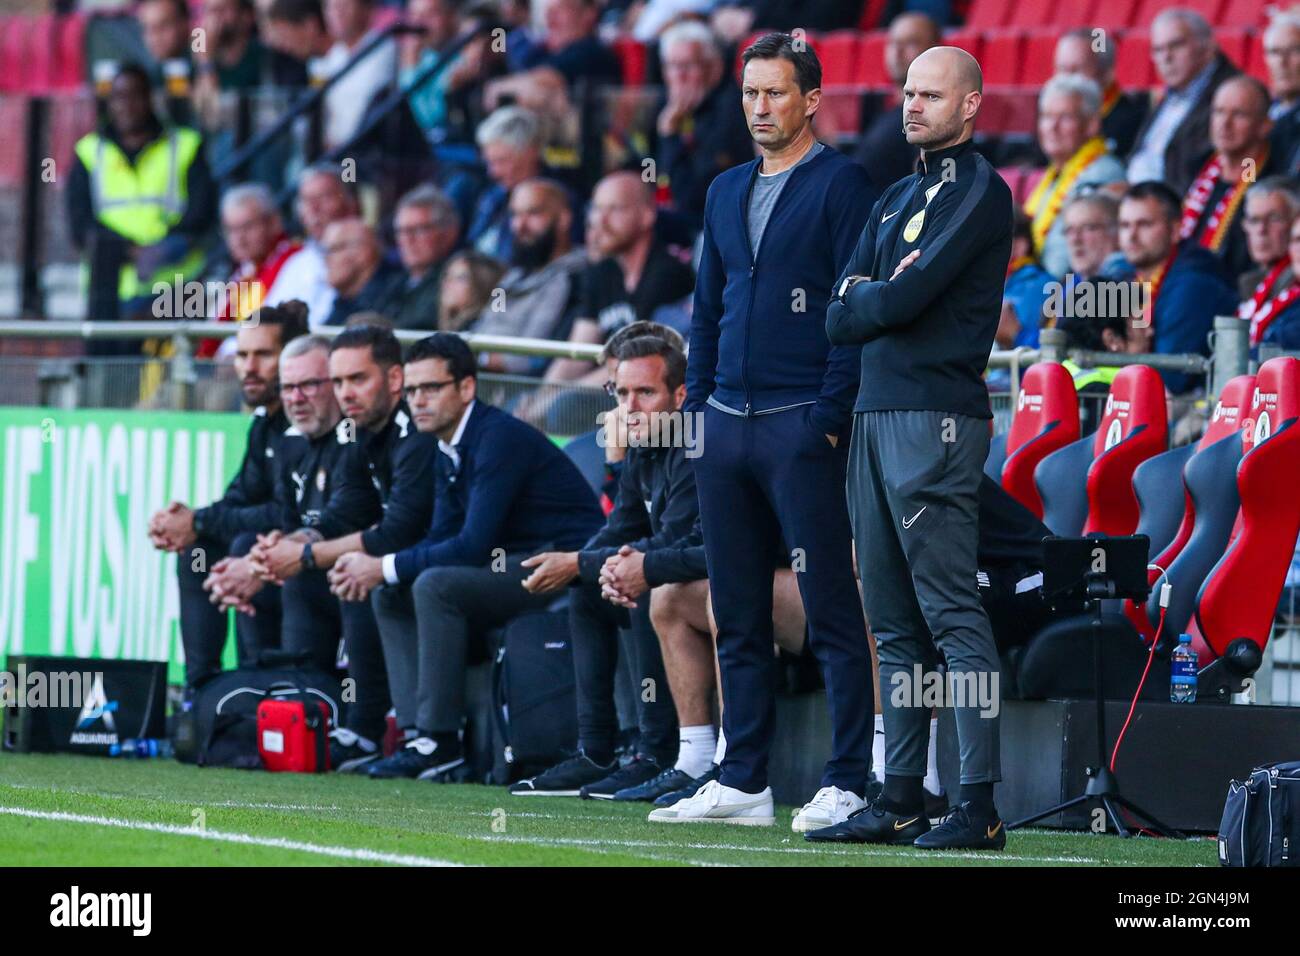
x: 913, y: 227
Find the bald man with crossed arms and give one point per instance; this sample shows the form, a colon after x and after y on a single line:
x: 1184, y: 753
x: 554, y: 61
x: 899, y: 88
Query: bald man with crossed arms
x: 922, y: 295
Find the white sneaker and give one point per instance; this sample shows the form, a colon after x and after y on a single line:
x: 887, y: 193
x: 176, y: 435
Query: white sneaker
x: 829, y: 806
x: 714, y: 803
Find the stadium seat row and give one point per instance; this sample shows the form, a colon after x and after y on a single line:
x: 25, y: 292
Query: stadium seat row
x: 42, y: 54
x: 852, y: 60
x: 1109, y: 14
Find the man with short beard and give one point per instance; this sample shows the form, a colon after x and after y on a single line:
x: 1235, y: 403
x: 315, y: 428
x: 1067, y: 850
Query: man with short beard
x: 203, y: 538
x: 631, y: 276
x: 540, y: 291
x: 922, y: 297
x: 390, y: 453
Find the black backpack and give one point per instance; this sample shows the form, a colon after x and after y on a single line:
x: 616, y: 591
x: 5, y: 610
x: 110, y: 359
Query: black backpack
x: 220, y: 727
x: 533, y: 697
x: 1261, y: 819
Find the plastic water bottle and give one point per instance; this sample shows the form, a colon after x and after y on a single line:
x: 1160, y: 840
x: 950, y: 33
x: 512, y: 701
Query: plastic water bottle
x: 1182, y: 673
x: 143, y: 748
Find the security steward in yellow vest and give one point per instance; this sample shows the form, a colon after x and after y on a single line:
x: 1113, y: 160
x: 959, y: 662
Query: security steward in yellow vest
x: 140, y: 199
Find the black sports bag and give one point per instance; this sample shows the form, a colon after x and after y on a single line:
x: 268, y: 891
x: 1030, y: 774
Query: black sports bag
x: 1261, y: 819
x: 533, y: 697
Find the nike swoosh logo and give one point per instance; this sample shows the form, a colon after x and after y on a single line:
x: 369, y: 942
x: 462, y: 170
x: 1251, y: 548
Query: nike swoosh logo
x: 991, y: 832
x: 908, y: 522
x: 890, y: 216
x: 905, y: 823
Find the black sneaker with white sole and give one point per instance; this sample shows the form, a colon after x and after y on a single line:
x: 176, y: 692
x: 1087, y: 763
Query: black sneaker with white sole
x: 350, y: 752
x: 668, y: 799
x: 565, y: 779
x: 873, y: 824
x: 963, y: 830
x: 420, y: 759
x: 667, y: 781
x: 635, y: 772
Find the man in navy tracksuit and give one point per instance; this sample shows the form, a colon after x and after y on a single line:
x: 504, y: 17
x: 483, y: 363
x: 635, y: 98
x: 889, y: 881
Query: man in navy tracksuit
x: 922, y: 297
x: 776, y: 400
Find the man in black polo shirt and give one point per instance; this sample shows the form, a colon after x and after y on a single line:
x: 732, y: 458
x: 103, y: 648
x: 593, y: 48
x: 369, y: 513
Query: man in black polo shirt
x: 922, y: 296
x: 203, y: 537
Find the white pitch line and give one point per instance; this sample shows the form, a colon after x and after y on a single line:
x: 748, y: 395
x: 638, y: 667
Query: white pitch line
x: 280, y: 843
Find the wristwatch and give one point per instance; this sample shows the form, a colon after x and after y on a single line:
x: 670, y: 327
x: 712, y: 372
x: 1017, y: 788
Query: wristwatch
x: 308, y: 561
x: 848, y: 283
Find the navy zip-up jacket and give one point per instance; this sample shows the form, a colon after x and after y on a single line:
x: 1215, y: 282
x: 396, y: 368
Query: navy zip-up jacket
x: 514, y: 490
x: 926, y: 336
x: 250, y: 502
x: 758, y: 335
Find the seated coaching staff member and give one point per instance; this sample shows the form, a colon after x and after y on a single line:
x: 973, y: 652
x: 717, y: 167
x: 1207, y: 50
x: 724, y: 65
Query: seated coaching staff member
x: 230, y: 524
x: 655, y: 507
x: 397, y: 460
x: 922, y: 297
x: 504, y: 492
x: 776, y: 402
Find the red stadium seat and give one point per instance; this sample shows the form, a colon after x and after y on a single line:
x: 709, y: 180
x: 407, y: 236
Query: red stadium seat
x: 1002, y: 57
x: 1255, y: 64
x: 41, y: 33
x: 839, y: 53
x: 1113, y: 14
x: 1245, y: 13
x: 870, y: 72
x: 1039, y: 58
x: 13, y: 53
x: 631, y: 55
x: 1239, y: 597
x: 1132, y: 429
x: 1008, y: 110
x: 1234, y: 44
x: 1046, y: 418
x: 969, y: 40
x: 1210, y: 9
x: 1133, y: 66
x: 990, y: 14
x: 70, y: 55
x: 1067, y: 16
x: 1189, y: 534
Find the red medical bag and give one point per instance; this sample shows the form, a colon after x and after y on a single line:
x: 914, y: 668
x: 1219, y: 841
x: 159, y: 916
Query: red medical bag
x: 293, y: 735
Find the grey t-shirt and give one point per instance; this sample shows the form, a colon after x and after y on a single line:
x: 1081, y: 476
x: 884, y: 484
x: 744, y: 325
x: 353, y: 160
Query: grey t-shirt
x: 764, y: 195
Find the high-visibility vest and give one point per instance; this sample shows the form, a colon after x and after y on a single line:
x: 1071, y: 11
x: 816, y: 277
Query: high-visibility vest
x: 1086, y: 376
x: 142, y: 201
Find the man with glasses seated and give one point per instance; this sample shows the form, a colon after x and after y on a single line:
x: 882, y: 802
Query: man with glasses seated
x: 504, y: 491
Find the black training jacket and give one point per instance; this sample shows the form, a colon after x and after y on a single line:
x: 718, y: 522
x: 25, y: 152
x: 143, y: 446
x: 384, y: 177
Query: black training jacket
x: 654, y: 510
x: 323, y: 484
x: 250, y: 503
x: 399, y: 461
x: 926, y: 335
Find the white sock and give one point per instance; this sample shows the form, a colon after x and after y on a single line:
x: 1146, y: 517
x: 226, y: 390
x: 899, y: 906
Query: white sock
x: 878, y: 749
x: 695, y: 750
x: 720, y: 753
x: 932, y: 760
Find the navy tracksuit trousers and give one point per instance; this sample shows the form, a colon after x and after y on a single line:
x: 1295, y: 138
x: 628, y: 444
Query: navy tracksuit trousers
x: 763, y: 480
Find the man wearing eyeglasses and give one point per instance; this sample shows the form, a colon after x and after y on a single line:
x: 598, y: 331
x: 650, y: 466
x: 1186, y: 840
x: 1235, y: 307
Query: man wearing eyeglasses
x: 1171, y: 143
x: 425, y: 226
x: 397, y: 460
x: 504, y: 491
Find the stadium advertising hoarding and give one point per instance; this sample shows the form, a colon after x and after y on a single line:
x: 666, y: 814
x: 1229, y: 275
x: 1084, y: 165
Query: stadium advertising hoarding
x: 78, y: 576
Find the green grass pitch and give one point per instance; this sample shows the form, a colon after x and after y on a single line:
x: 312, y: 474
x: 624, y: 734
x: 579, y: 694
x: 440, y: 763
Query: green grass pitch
x: 84, y: 811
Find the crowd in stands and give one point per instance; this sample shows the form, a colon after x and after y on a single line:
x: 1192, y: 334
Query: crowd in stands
x: 525, y: 224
